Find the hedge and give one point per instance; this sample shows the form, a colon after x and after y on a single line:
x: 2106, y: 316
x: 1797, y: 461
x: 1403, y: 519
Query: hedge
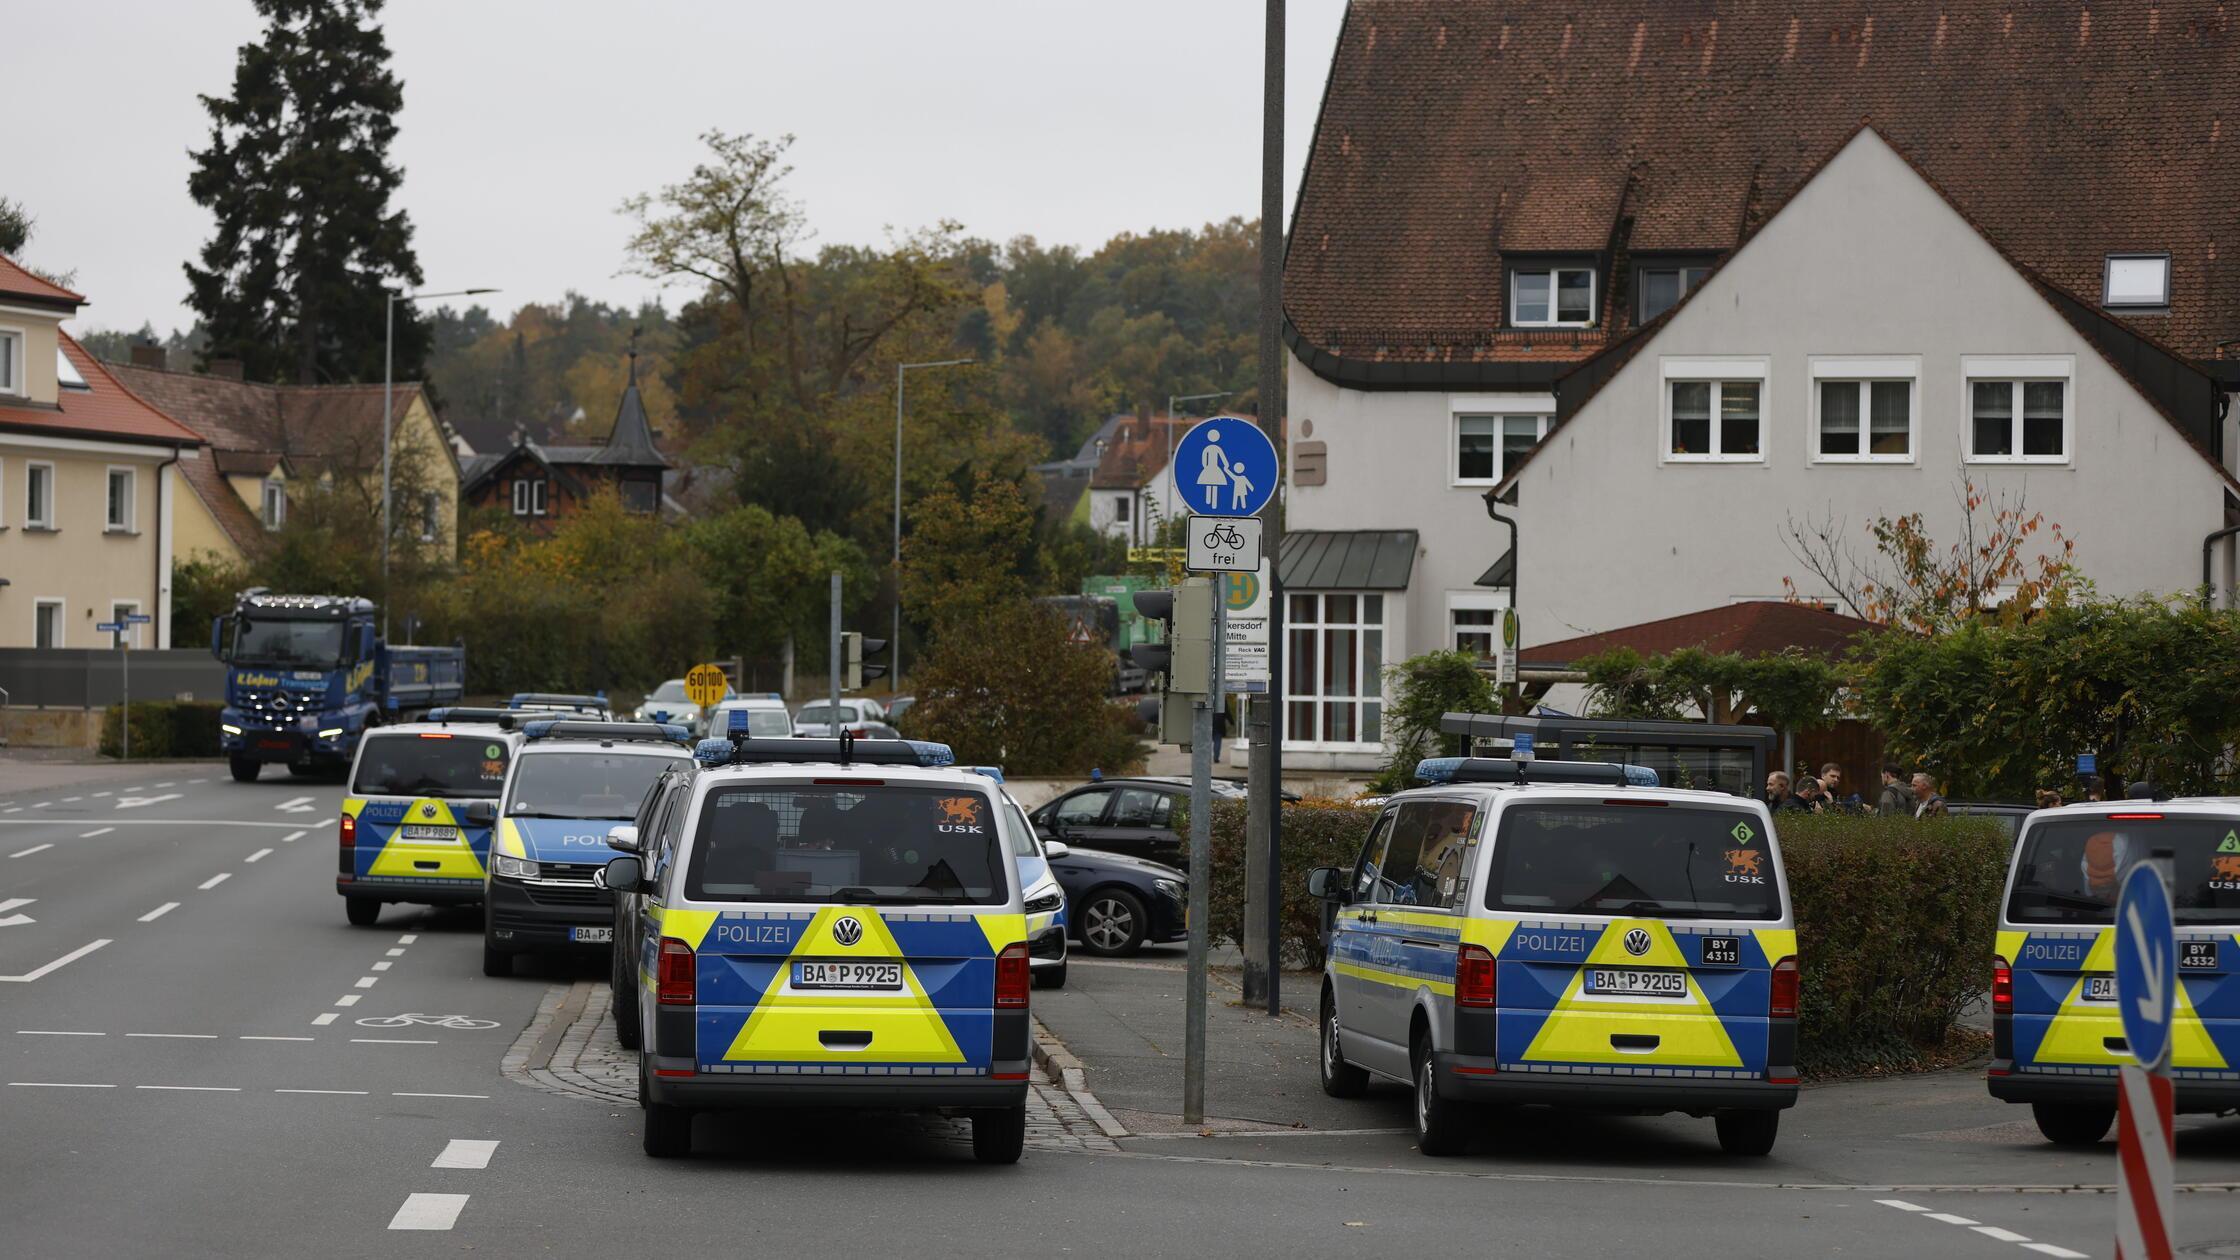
x: 1895, y: 919
x: 164, y: 728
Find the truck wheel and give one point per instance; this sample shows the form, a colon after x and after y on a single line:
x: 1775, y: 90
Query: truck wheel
x: 628, y: 1028
x: 668, y: 1131
x: 999, y: 1134
x: 1442, y: 1125
x: 1051, y: 977
x: 1340, y: 1079
x: 245, y: 770
x: 2073, y: 1124
x: 1747, y: 1132
x: 362, y: 910
x: 496, y: 962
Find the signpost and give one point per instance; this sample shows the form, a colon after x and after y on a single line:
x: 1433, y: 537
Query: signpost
x: 1244, y: 643
x: 1224, y: 544
x: 2146, y: 999
x: 706, y: 685
x: 116, y: 630
x: 1506, y: 675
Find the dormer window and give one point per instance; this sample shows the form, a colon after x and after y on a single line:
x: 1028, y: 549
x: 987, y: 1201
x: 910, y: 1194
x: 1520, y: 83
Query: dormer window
x: 1659, y: 285
x: 1552, y: 294
x: 66, y: 372
x: 2137, y: 282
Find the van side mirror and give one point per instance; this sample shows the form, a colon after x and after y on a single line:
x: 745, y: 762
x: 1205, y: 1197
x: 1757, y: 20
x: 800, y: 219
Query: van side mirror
x: 479, y: 813
x: 365, y: 643
x: 624, y: 838
x: 622, y: 875
x: 1326, y: 883
x: 1055, y: 849
x: 218, y: 628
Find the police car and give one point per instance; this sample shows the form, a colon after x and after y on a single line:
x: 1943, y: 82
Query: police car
x: 824, y: 922
x: 2057, y: 1037
x: 416, y: 825
x: 1046, y: 900
x: 1550, y: 932
x: 571, y: 783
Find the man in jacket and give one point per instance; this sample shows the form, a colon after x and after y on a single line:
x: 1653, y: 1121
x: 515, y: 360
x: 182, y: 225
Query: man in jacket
x: 1895, y: 798
x: 1927, y: 803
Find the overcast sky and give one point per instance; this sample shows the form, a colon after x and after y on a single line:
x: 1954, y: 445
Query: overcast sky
x: 526, y: 121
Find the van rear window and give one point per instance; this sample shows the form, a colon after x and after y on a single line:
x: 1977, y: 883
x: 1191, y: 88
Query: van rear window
x: 885, y: 845
x: 1659, y: 862
x: 2068, y: 870
x: 450, y: 764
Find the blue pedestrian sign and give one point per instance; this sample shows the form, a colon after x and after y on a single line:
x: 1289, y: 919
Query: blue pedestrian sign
x: 1225, y: 467
x: 2146, y: 972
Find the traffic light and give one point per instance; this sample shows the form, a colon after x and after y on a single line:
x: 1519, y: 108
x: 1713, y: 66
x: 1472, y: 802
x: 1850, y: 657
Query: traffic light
x: 854, y: 647
x: 1183, y: 656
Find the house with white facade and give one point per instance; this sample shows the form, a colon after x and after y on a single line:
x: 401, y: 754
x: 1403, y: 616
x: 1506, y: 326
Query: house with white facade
x: 1665, y: 279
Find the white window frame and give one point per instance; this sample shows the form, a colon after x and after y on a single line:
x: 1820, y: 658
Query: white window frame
x: 30, y: 467
x: 2108, y: 300
x: 1641, y: 272
x: 1552, y: 270
x: 521, y: 496
x: 110, y: 524
x: 12, y: 341
x: 1758, y: 368
x: 117, y: 609
x: 1862, y: 371
x: 1476, y: 600
x: 272, y: 503
x: 537, y: 492
x: 2017, y: 369
x: 1367, y: 691
x: 61, y: 619
x: 430, y: 508
x: 1499, y: 408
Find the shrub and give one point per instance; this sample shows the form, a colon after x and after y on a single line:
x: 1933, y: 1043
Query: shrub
x: 1010, y: 687
x: 1315, y: 833
x: 1425, y: 689
x: 163, y: 728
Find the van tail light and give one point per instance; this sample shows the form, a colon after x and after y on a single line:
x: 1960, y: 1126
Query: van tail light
x: 1473, y: 976
x: 346, y: 841
x: 1784, y: 1002
x: 2002, y: 987
x: 679, y: 975
x: 1014, y: 976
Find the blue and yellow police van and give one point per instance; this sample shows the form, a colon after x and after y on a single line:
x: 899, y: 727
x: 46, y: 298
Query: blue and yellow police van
x: 570, y: 784
x: 1555, y: 933
x: 2057, y: 1036
x: 1045, y: 897
x: 423, y: 798
x: 825, y: 923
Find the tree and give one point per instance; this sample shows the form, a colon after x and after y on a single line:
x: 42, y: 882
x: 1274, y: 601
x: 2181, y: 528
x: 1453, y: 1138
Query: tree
x: 1006, y: 685
x: 16, y: 224
x: 769, y: 577
x: 1425, y: 689
x: 294, y: 281
x: 966, y: 555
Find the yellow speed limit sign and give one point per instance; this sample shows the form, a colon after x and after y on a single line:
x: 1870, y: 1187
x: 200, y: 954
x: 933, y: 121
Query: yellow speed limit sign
x: 706, y: 686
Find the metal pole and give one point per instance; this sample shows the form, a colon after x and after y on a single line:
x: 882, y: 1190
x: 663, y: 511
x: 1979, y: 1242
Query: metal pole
x: 833, y: 661
x: 1201, y: 864
x: 388, y: 404
x: 127, y: 694
x: 1263, y: 926
x: 894, y: 676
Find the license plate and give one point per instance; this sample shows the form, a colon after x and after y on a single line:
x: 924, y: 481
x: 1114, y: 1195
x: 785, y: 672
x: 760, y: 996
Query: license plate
x: 1633, y: 983
x: 847, y: 975
x: 426, y: 831
x: 1722, y: 951
x: 2198, y: 955
x: 274, y: 743
x: 2099, y: 988
x: 592, y: 936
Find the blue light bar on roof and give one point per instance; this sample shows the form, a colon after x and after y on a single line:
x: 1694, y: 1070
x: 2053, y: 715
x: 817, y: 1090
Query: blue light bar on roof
x: 735, y: 722
x: 744, y: 750
x: 577, y: 728
x: 712, y: 752
x: 993, y: 772
x: 1503, y: 770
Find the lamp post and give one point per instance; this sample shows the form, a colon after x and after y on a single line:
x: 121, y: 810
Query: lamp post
x: 388, y: 420
x: 894, y: 645
x: 1172, y: 440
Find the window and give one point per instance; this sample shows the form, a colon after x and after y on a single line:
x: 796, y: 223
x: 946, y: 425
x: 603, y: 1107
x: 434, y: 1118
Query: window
x: 907, y: 845
x: 1683, y: 862
x: 275, y: 511
x: 1424, y: 861
x: 1659, y: 287
x: 536, y: 497
x: 38, y: 496
x: 66, y: 373
x: 1551, y: 296
x: 46, y: 623
x: 1487, y: 447
x: 1120, y: 505
x: 1371, y: 864
x: 11, y: 362
x: 1863, y: 410
x: 528, y: 497
x: 431, y: 515
x: 1141, y: 807
x: 117, y: 614
x: 1474, y: 622
x: 119, y: 519
x: 520, y: 498
x: 1336, y: 670
x: 1714, y: 410
x: 1083, y: 809
x: 2018, y: 410
x: 2136, y: 282
x: 641, y: 496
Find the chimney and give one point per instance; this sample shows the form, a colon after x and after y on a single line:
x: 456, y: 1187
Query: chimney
x: 228, y: 369
x: 150, y: 356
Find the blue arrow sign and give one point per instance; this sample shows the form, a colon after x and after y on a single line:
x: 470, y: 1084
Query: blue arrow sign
x: 1225, y: 467
x: 2146, y: 975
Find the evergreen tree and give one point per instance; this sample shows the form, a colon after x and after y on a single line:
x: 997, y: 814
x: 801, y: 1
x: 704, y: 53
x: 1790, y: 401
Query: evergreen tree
x: 297, y: 173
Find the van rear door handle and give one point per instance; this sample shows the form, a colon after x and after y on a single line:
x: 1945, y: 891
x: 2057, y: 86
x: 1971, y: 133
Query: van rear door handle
x: 1634, y: 1041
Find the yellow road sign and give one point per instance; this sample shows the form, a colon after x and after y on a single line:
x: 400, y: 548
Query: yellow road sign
x: 706, y: 685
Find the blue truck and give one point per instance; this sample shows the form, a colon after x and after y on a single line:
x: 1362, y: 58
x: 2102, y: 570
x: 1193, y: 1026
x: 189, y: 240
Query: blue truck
x: 308, y: 675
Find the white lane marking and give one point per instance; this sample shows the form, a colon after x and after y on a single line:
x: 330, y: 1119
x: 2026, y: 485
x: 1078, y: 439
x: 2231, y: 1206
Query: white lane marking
x: 383, y: 966
x: 2003, y: 1235
x: 141, y: 788
x: 64, y: 961
x: 348, y: 999
x: 41, y: 804
x: 323, y: 1020
x: 98, y: 795
x: 2048, y: 1249
x: 358, y: 1092
x: 160, y: 911
x: 179, y: 1036
x: 12, y: 809
x: 429, y: 1211
x: 214, y: 880
x: 58, y: 1085
x: 139, y: 802
x: 396, y: 953
x: 71, y: 800
x: 300, y: 805
x: 465, y: 1153
x: 19, y: 919
x: 391, y: 1041
x: 196, y: 1089
x: 1948, y: 1218
x: 1901, y: 1205
x: 170, y: 784
x: 158, y: 822
x: 33, y: 849
x: 97, y: 831
x: 404, y: 1095
x: 53, y: 1032
x: 408, y: 938
x: 267, y: 1037
x: 194, y: 781
x: 292, y: 837
x: 259, y: 856
x: 366, y: 982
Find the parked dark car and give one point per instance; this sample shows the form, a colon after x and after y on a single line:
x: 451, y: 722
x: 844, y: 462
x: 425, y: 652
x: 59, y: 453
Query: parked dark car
x: 1115, y: 905
x: 2006, y: 815
x: 1134, y: 816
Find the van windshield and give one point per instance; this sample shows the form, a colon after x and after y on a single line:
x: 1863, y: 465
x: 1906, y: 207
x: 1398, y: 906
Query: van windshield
x: 293, y: 643
x: 865, y: 845
x: 607, y: 785
x: 2069, y: 870
x: 1665, y: 861
x: 447, y: 764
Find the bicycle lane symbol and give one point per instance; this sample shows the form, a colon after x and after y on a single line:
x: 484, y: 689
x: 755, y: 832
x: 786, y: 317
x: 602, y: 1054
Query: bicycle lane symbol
x: 415, y: 1019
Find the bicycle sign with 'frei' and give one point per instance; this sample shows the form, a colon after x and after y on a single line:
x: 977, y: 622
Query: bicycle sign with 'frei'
x: 1224, y: 544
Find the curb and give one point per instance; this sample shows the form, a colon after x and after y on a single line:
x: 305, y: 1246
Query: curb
x: 1062, y: 1065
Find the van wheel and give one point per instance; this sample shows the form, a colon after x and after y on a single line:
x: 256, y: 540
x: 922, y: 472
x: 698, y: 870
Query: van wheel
x: 2073, y: 1124
x: 1114, y: 923
x: 1340, y: 1079
x: 999, y: 1134
x: 623, y: 1001
x: 1747, y: 1132
x: 668, y: 1131
x: 244, y: 770
x: 496, y: 962
x: 362, y: 910
x: 1051, y: 977
x: 1442, y: 1125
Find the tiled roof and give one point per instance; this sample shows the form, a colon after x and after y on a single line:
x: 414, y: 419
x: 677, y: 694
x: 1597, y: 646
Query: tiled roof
x: 1752, y: 628
x: 630, y: 442
x: 239, y: 524
x: 104, y: 411
x: 23, y: 286
x: 1347, y: 559
x: 1452, y: 130
x: 1134, y: 454
x: 324, y: 424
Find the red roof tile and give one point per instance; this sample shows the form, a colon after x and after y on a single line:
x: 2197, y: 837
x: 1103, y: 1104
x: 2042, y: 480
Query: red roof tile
x: 1752, y: 628
x: 17, y: 282
x: 104, y: 411
x: 336, y: 424
x: 235, y: 520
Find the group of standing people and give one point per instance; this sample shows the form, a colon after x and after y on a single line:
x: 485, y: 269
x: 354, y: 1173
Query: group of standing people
x: 1823, y: 793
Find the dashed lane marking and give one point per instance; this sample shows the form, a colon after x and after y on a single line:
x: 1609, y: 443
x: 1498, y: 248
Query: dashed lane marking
x: 37, y: 848
x: 408, y: 938
x: 130, y: 802
x: 465, y: 1153
x: 2003, y: 1235
x: 97, y: 831
x: 359, y: 1092
x: 1948, y: 1218
x: 214, y: 881
x: 64, y: 961
x: 179, y: 1036
x: 259, y: 856
x: 58, y: 1085
x: 228, y: 1089
x: 396, y: 953
x: 258, y: 1037
x: 173, y: 783
x: 405, y: 1095
x: 55, y: 1032
x: 392, y: 1041
x: 1989, y: 1231
x: 160, y: 911
x: 195, y: 1089
x: 98, y: 795
x: 72, y: 800
x: 367, y: 982
x: 292, y: 837
x: 429, y: 1211
x: 323, y: 1020
x: 348, y: 999
x: 383, y: 966
x: 2048, y: 1249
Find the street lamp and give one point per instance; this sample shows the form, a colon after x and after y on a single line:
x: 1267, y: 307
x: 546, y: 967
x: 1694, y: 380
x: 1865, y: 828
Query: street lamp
x: 388, y: 421
x: 1172, y: 440
x: 894, y: 676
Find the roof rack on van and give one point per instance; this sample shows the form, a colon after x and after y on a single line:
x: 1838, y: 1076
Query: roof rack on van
x: 636, y: 732
x: 993, y: 772
x: 847, y: 750
x: 503, y: 719
x: 1504, y: 770
x: 548, y: 699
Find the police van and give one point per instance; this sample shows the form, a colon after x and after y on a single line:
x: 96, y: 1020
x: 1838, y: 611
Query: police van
x: 2057, y: 1036
x: 827, y: 923
x: 423, y: 797
x: 1045, y: 897
x: 1552, y: 932
x: 570, y: 784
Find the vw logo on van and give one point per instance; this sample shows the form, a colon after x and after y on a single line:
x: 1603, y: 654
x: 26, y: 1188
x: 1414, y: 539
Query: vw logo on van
x: 1637, y: 942
x: 846, y: 931
x: 428, y: 811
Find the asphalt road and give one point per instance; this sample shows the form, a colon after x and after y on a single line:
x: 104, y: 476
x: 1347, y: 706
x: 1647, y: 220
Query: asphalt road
x: 198, y: 1056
